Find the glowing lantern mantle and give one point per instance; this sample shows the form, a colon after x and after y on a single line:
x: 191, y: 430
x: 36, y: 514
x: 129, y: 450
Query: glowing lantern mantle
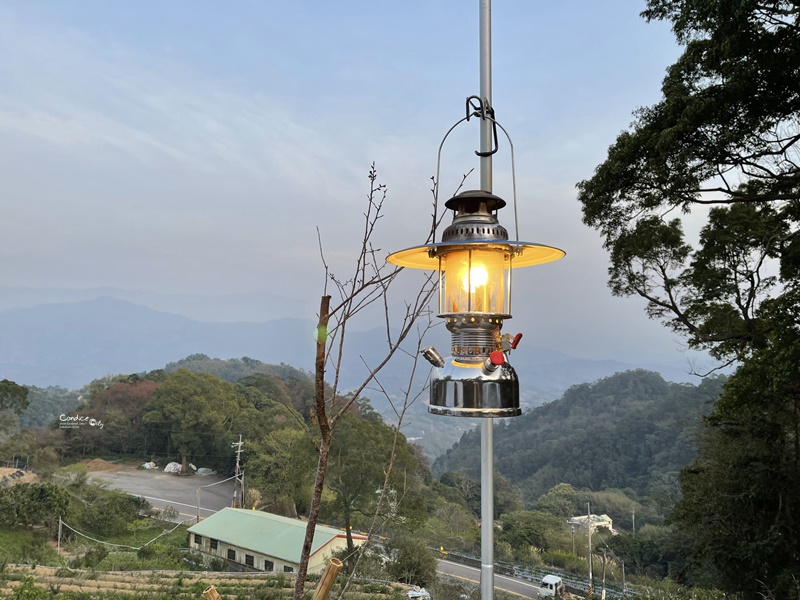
x: 475, y: 260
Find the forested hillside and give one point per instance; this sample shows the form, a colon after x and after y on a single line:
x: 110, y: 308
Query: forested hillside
x: 631, y: 430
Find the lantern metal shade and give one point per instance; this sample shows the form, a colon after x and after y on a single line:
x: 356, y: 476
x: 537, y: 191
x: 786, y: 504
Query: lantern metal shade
x: 517, y: 254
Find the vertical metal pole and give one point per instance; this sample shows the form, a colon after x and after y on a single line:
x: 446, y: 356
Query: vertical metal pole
x: 487, y: 510
x: 589, y: 530
x: 487, y: 431
x: 486, y: 90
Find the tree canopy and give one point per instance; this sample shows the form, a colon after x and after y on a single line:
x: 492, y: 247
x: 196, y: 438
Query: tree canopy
x: 721, y: 149
x: 13, y: 397
x: 738, y: 518
x: 721, y: 145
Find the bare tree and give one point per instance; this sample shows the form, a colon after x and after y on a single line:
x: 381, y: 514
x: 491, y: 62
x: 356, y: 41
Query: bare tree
x: 369, y: 285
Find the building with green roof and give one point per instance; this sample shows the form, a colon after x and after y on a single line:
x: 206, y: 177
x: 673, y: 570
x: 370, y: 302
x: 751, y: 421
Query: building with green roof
x: 262, y: 541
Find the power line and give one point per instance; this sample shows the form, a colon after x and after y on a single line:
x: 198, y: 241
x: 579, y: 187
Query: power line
x: 88, y: 537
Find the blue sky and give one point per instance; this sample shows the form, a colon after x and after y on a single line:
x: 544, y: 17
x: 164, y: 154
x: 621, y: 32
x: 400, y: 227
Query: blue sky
x: 194, y: 147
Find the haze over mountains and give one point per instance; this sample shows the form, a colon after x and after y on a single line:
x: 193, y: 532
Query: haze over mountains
x: 69, y: 343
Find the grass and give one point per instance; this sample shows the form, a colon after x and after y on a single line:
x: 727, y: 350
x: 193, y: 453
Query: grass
x: 28, y: 546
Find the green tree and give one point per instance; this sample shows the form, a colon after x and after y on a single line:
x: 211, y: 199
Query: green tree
x: 562, y: 500
x: 45, y: 462
x: 738, y: 519
x: 411, y: 561
x: 467, y: 489
x: 724, y: 135
x: 103, y: 512
x: 32, y: 504
x: 722, y: 145
x: 531, y: 528
x: 13, y: 402
x: 13, y: 397
x: 195, y: 412
x: 281, y: 467
x: 361, y: 451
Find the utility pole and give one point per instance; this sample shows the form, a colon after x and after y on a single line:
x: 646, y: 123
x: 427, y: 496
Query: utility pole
x: 238, y: 446
x: 572, y: 528
x: 605, y: 560
x: 633, y: 518
x: 623, y: 578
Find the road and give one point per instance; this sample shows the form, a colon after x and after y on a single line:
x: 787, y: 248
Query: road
x: 163, y: 490
x: 472, y: 575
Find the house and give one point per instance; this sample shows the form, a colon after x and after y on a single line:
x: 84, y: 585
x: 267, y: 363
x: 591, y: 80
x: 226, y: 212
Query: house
x: 595, y: 522
x: 256, y: 540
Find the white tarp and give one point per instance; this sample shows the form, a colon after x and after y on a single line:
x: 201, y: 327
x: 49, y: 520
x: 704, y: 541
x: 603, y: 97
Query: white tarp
x: 173, y: 467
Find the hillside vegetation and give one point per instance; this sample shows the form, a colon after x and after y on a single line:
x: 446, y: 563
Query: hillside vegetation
x: 632, y: 430
x: 616, y: 444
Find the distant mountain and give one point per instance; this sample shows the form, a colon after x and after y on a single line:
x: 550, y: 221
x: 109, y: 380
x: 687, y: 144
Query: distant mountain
x: 223, y: 308
x: 631, y: 430
x: 72, y: 343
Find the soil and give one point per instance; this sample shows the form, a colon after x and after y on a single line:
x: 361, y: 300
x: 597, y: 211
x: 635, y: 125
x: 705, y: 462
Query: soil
x: 98, y: 464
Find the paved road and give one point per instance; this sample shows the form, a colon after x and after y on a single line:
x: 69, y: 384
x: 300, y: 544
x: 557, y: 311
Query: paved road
x: 162, y: 490
x: 472, y: 576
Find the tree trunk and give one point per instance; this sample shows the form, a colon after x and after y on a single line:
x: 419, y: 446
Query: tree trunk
x: 324, y: 446
x: 351, y: 549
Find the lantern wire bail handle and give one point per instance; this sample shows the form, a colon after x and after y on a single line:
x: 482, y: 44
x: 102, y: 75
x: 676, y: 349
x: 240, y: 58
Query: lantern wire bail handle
x: 485, y: 112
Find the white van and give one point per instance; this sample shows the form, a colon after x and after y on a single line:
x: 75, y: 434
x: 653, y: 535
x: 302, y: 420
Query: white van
x: 552, y: 587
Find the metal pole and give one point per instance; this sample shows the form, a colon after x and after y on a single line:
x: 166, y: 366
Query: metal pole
x: 487, y: 510
x: 589, y: 530
x: 486, y: 90
x: 487, y: 431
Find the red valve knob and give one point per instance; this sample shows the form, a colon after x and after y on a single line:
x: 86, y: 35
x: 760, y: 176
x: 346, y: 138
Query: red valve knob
x: 515, y: 341
x: 497, y: 358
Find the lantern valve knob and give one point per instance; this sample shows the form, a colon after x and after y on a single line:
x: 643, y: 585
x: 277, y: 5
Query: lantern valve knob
x: 515, y: 341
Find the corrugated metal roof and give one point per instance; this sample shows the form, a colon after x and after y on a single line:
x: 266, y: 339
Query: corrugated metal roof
x: 265, y: 533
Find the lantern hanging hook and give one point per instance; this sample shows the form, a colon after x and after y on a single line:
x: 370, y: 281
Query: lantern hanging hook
x: 481, y: 108
x: 484, y: 111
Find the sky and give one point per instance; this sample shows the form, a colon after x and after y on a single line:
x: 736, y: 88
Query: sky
x: 196, y: 147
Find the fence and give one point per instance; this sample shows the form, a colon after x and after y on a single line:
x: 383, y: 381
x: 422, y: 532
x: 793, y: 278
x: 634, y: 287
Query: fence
x: 574, y: 585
